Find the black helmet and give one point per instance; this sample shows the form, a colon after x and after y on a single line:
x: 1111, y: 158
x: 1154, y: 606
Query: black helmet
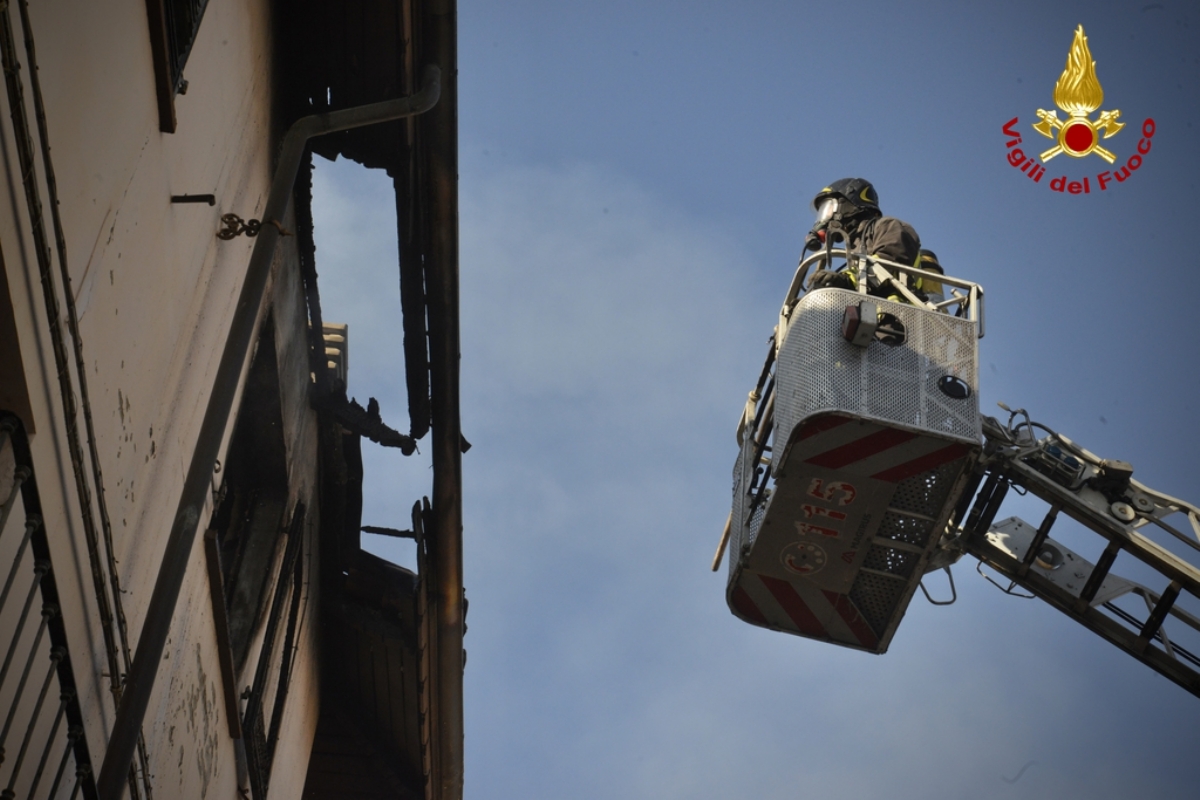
x: 929, y: 261
x: 856, y: 191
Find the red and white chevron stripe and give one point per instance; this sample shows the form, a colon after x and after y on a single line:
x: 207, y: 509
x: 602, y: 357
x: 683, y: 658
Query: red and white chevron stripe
x: 871, y: 449
x: 800, y: 607
x: 841, y: 467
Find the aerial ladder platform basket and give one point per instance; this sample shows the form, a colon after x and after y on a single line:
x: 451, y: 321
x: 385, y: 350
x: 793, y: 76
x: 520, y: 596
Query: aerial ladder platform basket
x: 855, y: 446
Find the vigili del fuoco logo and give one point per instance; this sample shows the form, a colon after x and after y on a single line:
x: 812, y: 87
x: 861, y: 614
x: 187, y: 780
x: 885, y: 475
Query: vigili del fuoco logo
x: 1078, y: 94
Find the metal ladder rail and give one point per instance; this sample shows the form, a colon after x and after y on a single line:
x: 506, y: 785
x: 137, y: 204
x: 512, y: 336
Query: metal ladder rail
x: 1143, y: 639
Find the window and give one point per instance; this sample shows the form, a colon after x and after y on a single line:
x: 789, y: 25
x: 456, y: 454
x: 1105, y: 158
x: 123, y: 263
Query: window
x: 253, y: 498
x: 173, y: 28
x: 254, y: 549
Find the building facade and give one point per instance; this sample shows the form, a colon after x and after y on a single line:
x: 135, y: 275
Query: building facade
x: 186, y: 609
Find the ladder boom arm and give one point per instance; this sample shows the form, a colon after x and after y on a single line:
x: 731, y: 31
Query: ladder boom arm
x: 1102, y: 496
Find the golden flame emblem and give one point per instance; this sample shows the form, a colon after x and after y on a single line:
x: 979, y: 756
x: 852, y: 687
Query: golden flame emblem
x: 1078, y: 93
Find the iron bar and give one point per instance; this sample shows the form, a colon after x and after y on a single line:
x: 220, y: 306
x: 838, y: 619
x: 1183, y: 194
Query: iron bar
x: 161, y: 608
x: 39, y: 569
x: 63, y: 700
x: 19, y: 476
x: 7, y: 426
x: 211, y: 199
x: 32, y: 522
x: 49, y: 591
x: 47, y: 613
x: 81, y: 774
x: 56, y: 655
x: 73, y: 733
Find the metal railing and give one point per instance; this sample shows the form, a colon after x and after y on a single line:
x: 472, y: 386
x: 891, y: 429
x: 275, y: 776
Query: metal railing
x: 758, y: 419
x: 754, y: 435
x: 43, y: 749
x: 965, y: 300
x: 183, y: 22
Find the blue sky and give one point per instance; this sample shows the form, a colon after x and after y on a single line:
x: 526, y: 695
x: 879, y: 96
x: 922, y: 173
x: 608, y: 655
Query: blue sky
x: 635, y: 187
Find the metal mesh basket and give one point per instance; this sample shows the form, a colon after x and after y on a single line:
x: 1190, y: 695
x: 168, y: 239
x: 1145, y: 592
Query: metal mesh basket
x: 820, y: 371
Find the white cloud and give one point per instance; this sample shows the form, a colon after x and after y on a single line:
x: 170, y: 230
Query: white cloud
x: 575, y: 282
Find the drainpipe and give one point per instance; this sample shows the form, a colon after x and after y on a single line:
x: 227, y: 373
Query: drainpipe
x: 140, y: 680
x: 440, y: 44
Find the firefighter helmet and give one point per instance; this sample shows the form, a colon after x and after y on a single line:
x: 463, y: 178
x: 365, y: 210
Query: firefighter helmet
x: 929, y: 261
x: 856, y: 191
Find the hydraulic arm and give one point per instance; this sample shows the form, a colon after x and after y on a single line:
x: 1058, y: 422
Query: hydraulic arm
x: 1117, y: 513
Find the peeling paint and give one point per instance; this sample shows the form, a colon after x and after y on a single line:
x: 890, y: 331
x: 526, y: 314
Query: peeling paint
x: 205, y: 701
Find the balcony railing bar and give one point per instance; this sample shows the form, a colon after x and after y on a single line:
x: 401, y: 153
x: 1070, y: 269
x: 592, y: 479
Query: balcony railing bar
x: 55, y: 656
x: 27, y: 716
x: 39, y: 571
x: 63, y: 699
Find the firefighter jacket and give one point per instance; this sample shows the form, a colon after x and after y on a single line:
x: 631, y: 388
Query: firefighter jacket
x: 888, y: 237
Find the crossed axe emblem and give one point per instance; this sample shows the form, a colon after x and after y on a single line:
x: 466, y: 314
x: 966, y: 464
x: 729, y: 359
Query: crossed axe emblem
x: 1107, y: 121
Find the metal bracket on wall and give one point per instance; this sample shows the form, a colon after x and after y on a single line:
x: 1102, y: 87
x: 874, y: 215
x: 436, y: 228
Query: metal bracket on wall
x: 234, y: 226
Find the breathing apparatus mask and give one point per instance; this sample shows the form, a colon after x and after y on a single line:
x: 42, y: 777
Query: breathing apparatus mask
x: 825, y: 211
x: 822, y: 231
x: 841, y: 207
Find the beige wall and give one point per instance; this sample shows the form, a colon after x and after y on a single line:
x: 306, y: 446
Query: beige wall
x: 155, y: 291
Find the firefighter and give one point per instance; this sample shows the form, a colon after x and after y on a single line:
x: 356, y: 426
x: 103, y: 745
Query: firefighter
x: 927, y: 288
x: 849, y: 209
